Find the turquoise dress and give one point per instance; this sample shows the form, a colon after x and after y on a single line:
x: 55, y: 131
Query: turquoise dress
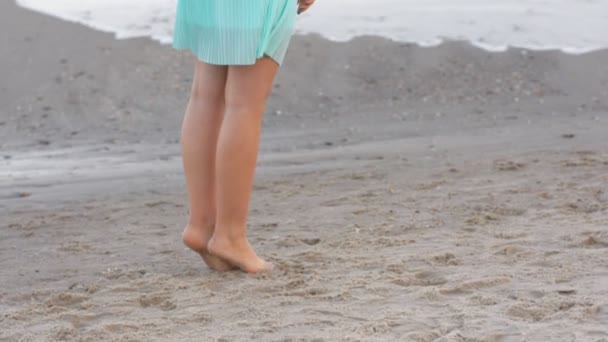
x: 235, y: 32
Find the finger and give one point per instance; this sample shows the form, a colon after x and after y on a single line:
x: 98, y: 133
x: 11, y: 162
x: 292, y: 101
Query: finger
x: 303, y: 8
x: 304, y: 5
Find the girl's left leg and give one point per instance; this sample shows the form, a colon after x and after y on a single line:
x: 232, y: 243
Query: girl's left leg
x: 247, y: 89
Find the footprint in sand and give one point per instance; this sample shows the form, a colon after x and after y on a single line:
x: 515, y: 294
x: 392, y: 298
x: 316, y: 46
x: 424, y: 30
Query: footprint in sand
x: 117, y: 273
x: 335, y: 202
x: 158, y: 204
x: 508, y: 165
x: 585, y: 158
x: 509, y: 250
x: 508, y: 211
x: 447, y: 259
x: 376, y: 328
x: 307, y: 293
x: 288, y: 241
x: 600, y: 195
x: 533, y: 312
x: 162, y: 301
x: 74, y: 247
x: 119, y: 328
x: 64, y: 334
x: 593, y: 242
x: 66, y: 299
x: 82, y: 287
x: 80, y: 319
x: 485, y: 214
x: 200, y: 318
x: 423, y: 278
x: 482, y: 300
x: 421, y: 336
x: 396, y: 268
x: 597, y: 312
x: 269, y: 225
x: 584, y: 206
x: 295, y: 284
x: 311, y: 241
x: 503, y: 337
x: 390, y: 242
x: 509, y: 235
x: 430, y: 185
x: 366, y: 176
x: 479, y: 219
x: 476, y: 284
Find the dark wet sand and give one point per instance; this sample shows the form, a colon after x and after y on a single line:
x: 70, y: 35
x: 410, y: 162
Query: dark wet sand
x: 406, y: 194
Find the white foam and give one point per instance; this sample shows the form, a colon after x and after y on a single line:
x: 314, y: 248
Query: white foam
x: 573, y: 26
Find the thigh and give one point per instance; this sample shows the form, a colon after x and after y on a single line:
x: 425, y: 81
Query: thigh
x: 209, y: 82
x: 248, y: 86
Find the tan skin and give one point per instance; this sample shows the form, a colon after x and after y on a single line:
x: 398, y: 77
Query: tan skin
x: 220, y: 143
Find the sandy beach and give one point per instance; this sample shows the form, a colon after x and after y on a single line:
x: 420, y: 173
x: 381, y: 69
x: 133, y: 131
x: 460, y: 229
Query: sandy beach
x: 404, y: 193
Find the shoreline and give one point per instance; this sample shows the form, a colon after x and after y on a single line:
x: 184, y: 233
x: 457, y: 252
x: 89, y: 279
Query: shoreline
x: 492, y: 28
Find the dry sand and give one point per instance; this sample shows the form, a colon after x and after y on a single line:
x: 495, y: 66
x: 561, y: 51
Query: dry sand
x: 406, y: 194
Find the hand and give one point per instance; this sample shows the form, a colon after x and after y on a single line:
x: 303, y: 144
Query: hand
x: 303, y: 5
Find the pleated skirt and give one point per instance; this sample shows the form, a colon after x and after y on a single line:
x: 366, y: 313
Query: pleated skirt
x: 234, y: 32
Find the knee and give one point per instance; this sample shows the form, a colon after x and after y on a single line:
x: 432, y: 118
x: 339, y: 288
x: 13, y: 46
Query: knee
x: 205, y: 111
x: 204, y: 95
x: 247, y: 107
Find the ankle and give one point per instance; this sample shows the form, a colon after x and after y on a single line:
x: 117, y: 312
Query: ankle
x: 201, y: 224
x: 229, y: 237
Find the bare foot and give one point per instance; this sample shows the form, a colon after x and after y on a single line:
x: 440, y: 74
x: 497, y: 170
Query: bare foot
x: 238, y: 252
x: 196, y: 239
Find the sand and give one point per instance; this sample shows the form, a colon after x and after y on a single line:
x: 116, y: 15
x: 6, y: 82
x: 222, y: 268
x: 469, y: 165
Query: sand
x: 405, y: 193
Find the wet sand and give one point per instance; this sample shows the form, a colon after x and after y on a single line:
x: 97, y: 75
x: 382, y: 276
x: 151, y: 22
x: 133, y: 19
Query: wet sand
x: 405, y: 193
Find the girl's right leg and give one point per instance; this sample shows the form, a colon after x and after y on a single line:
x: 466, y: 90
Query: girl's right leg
x: 200, y: 130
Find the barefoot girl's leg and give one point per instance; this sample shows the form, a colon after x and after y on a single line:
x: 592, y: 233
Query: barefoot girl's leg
x: 200, y: 130
x: 247, y: 89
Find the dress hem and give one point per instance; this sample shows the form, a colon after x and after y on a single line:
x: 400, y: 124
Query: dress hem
x: 224, y: 63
